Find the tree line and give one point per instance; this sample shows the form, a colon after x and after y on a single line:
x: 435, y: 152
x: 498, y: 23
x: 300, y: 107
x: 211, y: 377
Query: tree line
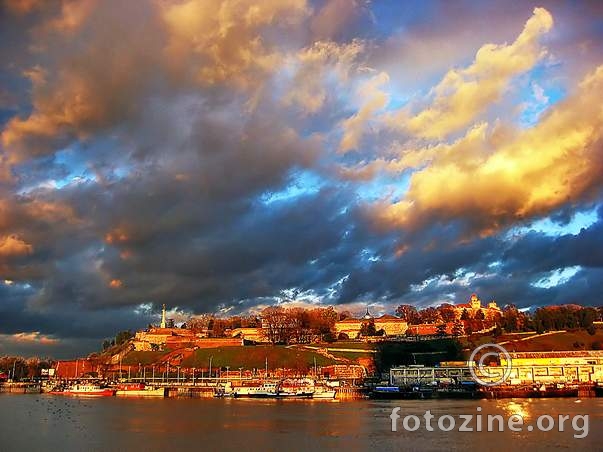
x: 19, y: 368
x: 510, y: 319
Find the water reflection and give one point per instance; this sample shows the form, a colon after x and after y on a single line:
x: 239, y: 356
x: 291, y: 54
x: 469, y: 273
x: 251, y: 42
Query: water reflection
x: 511, y: 407
x: 59, y: 423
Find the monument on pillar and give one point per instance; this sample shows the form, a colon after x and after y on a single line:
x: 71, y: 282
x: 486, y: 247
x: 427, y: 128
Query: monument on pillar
x: 163, y: 317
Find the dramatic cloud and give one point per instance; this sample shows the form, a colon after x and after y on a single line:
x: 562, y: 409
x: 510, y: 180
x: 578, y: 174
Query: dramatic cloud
x: 463, y: 94
x: 314, y: 68
x: 492, y: 181
x: 14, y: 246
x: 224, y: 39
x: 220, y: 156
x: 373, y: 99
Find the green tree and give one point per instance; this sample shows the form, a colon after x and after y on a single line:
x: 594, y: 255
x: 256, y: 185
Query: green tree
x: 368, y: 328
x: 409, y: 313
x: 447, y: 312
x: 441, y: 329
x: 123, y: 336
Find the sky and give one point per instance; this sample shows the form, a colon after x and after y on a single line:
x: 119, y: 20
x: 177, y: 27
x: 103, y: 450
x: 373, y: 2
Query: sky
x: 223, y: 156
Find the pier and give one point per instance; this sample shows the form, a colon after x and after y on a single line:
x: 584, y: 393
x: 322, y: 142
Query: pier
x: 21, y: 387
x: 523, y: 381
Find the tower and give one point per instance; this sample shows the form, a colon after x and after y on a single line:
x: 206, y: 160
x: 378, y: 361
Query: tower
x: 163, y: 317
x: 475, y: 302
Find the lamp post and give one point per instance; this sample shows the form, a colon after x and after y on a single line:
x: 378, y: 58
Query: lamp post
x: 210, y: 358
x: 193, y: 376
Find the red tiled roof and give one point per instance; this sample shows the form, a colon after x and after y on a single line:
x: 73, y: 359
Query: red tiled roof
x: 429, y: 329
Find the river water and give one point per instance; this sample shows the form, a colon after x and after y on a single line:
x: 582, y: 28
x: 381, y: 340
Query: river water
x: 60, y: 423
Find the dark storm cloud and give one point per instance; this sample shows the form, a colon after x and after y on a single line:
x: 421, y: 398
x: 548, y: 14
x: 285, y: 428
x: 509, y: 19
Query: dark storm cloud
x: 435, y: 269
x: 415, y: 258
x: 535, y: 252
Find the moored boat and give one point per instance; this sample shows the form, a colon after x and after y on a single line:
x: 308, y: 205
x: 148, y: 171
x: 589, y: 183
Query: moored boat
x: 292, y: 388
x: 91, y: 390
x: 323, y: 392
x: 395, y: 392
x: 139, y: 390
x: 263, y: 391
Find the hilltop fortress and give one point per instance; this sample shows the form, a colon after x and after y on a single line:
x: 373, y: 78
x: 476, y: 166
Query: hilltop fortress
x: 167, y: 336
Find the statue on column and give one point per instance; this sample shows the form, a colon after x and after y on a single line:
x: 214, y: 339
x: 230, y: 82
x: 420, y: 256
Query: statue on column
x: 163, y: 317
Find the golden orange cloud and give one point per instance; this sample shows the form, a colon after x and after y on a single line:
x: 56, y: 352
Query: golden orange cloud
x: 73, y: 14
x: 204, y: 42
x: 116, y: 283
x: 224, y: 37
x: 491, y: 181
x: 21, y: 7
x: 463, y: 94
x: 12, y: 245
x: 311, y: 65
x: 373, y: 99
x: 117, y: 235
x: 33, y: 337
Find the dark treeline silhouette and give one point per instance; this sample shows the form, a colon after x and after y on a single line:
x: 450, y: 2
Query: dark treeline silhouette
x: 428, y: 353
x: 550, y: 318
x: 566, y: 317
x: 120, y: 338
x: 19, y: 368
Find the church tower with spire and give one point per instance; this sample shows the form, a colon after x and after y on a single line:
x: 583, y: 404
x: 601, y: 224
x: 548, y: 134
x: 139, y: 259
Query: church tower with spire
x: 163, y: 317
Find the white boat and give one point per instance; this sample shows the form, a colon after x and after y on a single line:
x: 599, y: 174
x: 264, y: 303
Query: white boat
x: 139, y: 390
x: 85, y: 390
x: 265, y: 390
x: 323, y: 392
x: 300, y: 389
